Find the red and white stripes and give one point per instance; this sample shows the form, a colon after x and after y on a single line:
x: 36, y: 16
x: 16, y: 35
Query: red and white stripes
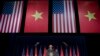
x: 10, y: 23
x: 65, y: 22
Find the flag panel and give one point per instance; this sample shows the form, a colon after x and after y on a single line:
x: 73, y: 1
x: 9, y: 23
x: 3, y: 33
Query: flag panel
x: 36, y: 16
x: 63, y: 17
x: 11, y: 16
x: 89, y: 16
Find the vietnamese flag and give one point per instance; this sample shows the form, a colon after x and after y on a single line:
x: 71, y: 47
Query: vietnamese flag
x: 78, y: 53
x: 89, y: 16
x: 27, y: 52
x: 70, y: 52
x: 61, y: 52
x: 36, y: 16
x: 35, y: 51
x: 44, y: 52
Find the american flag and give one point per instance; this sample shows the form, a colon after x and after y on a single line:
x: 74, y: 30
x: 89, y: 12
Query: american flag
x: 11, y: 17
x: 66, y: 52
x: 31, y: 52
x: 23, y: 52
x: 40, y: 52
x: 63, y: 16
x: 74, y: 53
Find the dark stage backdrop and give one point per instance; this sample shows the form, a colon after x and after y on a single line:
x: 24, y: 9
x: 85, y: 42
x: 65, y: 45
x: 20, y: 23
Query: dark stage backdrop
x: 19, y: 45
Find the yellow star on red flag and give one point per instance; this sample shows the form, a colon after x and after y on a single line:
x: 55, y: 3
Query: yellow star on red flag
x: 37, y: 15
x: 90, y: 16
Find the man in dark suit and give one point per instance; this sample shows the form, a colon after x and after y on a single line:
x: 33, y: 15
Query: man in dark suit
x: 50, y: 51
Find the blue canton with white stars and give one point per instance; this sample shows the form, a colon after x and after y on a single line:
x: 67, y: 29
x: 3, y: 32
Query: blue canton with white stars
x: 58, y: 6
x: 8, y: 8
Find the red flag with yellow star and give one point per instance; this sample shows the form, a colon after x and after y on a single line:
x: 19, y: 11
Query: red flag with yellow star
x: 89, y: 16
x: 36, y: 16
